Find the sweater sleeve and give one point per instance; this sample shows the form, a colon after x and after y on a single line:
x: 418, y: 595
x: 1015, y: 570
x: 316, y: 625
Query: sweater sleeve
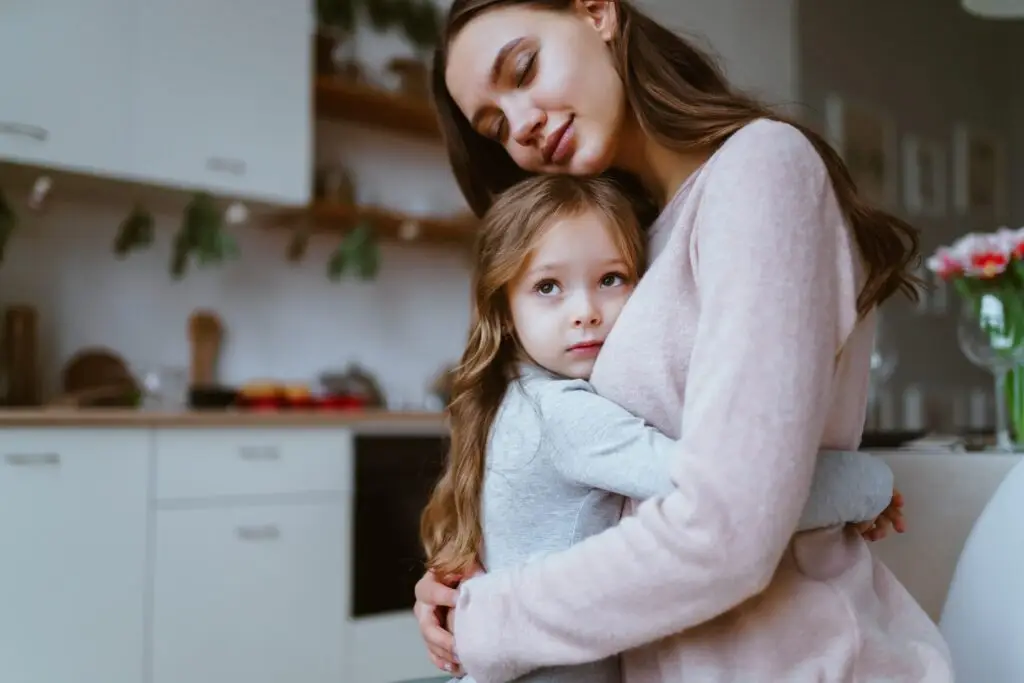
x: 598, y: 443
x: 757, y: 395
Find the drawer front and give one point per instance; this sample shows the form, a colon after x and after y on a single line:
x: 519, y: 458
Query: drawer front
x: 201, y: 463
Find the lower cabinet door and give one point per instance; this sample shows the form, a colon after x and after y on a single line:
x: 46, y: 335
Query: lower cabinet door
x: 251, y: 594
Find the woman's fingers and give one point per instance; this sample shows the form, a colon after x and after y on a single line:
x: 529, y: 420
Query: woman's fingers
x: 433, y: 600
x: 439, y: 642
x: 434, y: 593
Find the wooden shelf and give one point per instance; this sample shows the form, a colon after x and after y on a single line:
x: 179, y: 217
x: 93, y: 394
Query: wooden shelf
x: 337, y: 98
x: 332, y: 217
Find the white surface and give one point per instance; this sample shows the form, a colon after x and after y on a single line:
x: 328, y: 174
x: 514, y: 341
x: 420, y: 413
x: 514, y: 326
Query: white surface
x: 945, y: 493
x: 242, y: 576
x: 995, y: 9
x: 73, y: 536
x: 983, y: 619
x: 222, y: 96
x: 192, y: 94
x: 202, y: 463
x: 64, y: 66
x: 255, y: 594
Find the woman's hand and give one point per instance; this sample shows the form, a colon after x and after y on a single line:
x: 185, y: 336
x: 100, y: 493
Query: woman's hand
x: 891, y: 518
x: 435, y: 612
x: 434, y: 603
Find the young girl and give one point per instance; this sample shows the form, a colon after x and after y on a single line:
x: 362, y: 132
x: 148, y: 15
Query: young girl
x: 538, y: 460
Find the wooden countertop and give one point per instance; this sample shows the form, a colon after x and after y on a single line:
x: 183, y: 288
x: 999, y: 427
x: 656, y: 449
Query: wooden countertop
x: 368, y: 420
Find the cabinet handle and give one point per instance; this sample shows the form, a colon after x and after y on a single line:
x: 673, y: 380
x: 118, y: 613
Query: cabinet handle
x: 259, y: 453
x: 24, y: 130
x: 222, y: 165
x: 266, y: 532
x: 32, y: 459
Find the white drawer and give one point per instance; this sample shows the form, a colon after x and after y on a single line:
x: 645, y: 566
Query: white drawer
x: 201, y: 463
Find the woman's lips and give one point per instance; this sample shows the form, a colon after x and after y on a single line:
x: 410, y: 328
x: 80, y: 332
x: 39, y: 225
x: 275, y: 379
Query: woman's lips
x: 562, y: 144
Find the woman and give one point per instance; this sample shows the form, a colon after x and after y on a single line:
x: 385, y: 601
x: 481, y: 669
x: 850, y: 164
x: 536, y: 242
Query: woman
x: 758, y: 309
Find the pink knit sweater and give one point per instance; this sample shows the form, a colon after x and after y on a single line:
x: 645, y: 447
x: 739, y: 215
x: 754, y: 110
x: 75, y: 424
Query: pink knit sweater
x: 743, y: 341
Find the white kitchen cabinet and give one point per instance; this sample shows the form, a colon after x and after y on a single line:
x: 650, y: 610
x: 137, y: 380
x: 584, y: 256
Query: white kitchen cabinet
x: 65, y: 66
x: 222, y: 97
x: 73, y: 523
x: 255, y: 593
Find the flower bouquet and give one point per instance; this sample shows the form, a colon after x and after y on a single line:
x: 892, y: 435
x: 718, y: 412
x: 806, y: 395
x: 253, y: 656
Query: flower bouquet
x: 987, y: 271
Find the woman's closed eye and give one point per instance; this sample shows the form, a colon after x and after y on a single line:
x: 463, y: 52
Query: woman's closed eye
x: 525, y: 66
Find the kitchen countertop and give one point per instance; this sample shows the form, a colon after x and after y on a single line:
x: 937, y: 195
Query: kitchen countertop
x: 358, y: 420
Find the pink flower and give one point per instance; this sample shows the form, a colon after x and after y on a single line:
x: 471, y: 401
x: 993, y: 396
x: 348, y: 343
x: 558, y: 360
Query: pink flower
x: 984, y: 256
x: 945, y: 264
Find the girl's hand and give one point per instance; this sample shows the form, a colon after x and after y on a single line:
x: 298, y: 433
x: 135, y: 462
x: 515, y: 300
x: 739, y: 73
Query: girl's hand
x: 891, y: 518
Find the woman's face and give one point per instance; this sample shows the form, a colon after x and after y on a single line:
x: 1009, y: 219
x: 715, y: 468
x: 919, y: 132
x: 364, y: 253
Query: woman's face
x: 542, y: 84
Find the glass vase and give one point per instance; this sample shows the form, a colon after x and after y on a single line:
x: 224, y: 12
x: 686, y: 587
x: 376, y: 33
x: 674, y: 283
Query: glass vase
x: 991, y: 336
x: 1015, y: 404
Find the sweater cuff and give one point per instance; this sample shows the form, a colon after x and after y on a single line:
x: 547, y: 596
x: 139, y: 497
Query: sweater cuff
x: 480, y: 611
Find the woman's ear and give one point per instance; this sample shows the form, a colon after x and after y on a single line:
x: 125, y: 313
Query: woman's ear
x: 603, y: 15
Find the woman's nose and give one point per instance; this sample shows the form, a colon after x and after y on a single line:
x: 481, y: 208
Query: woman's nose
x: 526, y: 124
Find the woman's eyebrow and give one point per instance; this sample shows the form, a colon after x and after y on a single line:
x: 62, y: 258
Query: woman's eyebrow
x: 499, y: 59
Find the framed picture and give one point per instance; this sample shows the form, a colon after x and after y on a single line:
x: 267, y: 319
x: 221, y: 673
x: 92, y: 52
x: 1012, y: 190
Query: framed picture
x: 866, y: 139
x: 979, y: 173
x: 924, y: 176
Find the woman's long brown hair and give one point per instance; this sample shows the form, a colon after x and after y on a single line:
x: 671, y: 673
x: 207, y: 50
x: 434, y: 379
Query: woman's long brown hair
x: 681, y: 100
x: 451, y: 526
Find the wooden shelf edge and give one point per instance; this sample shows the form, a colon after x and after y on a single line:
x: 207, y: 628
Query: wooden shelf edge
x: 337, y: 98
x: 389, y: 224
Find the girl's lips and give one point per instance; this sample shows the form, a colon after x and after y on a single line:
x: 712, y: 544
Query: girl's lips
x: 586, y: 348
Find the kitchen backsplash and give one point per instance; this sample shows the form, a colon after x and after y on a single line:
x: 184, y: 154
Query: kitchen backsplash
x: 282, y: 321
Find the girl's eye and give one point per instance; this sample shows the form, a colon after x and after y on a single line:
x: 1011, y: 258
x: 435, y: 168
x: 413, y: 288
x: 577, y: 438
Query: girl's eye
x: 612, y: 280
x: 546, y: 288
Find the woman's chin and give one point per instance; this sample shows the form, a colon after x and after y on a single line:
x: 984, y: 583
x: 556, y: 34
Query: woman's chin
x: 589, y: 162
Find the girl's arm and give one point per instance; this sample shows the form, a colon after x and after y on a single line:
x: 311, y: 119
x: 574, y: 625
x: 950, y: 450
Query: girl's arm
x: 598, y: 443
x: 772, y: 251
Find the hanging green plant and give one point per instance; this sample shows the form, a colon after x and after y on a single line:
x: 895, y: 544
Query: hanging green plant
x: 135, y: 232
x: 357, y: 253
x: 339, y: 15
x: 422, y: 25
x: 8, y: 221
x: 202, y: 236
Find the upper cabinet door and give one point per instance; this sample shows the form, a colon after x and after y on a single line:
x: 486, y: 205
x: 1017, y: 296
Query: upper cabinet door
x: 223, y: 97
x: 66, y: 68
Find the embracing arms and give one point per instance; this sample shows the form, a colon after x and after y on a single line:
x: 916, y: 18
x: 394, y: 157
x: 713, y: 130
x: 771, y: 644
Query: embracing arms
x: 600, y: 444
x: 740, y: 485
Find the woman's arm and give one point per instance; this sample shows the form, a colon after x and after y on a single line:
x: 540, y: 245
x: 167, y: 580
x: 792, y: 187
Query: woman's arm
x: 598, y: 443
x: 757, y: 396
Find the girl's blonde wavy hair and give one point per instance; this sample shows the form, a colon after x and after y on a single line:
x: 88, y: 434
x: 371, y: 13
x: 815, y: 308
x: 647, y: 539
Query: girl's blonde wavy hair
x: 450, y: 527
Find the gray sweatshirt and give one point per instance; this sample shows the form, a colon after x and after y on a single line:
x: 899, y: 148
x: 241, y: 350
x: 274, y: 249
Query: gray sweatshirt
x: 562, y: 460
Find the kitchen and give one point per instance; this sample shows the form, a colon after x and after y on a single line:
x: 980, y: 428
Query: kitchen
x: 275, y: 539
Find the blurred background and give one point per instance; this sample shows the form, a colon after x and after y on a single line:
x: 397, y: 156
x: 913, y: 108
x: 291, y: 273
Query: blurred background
x: 126, y: 113
x: 245, y: 204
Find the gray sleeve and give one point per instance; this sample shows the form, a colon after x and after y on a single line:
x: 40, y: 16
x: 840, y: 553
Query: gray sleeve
x: 598, y: 443
x: 595, y: 442
x: 848, y: 487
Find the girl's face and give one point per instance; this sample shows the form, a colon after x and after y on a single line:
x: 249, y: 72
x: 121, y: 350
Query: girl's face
x: 570, y: 293
x: 542, y: 84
